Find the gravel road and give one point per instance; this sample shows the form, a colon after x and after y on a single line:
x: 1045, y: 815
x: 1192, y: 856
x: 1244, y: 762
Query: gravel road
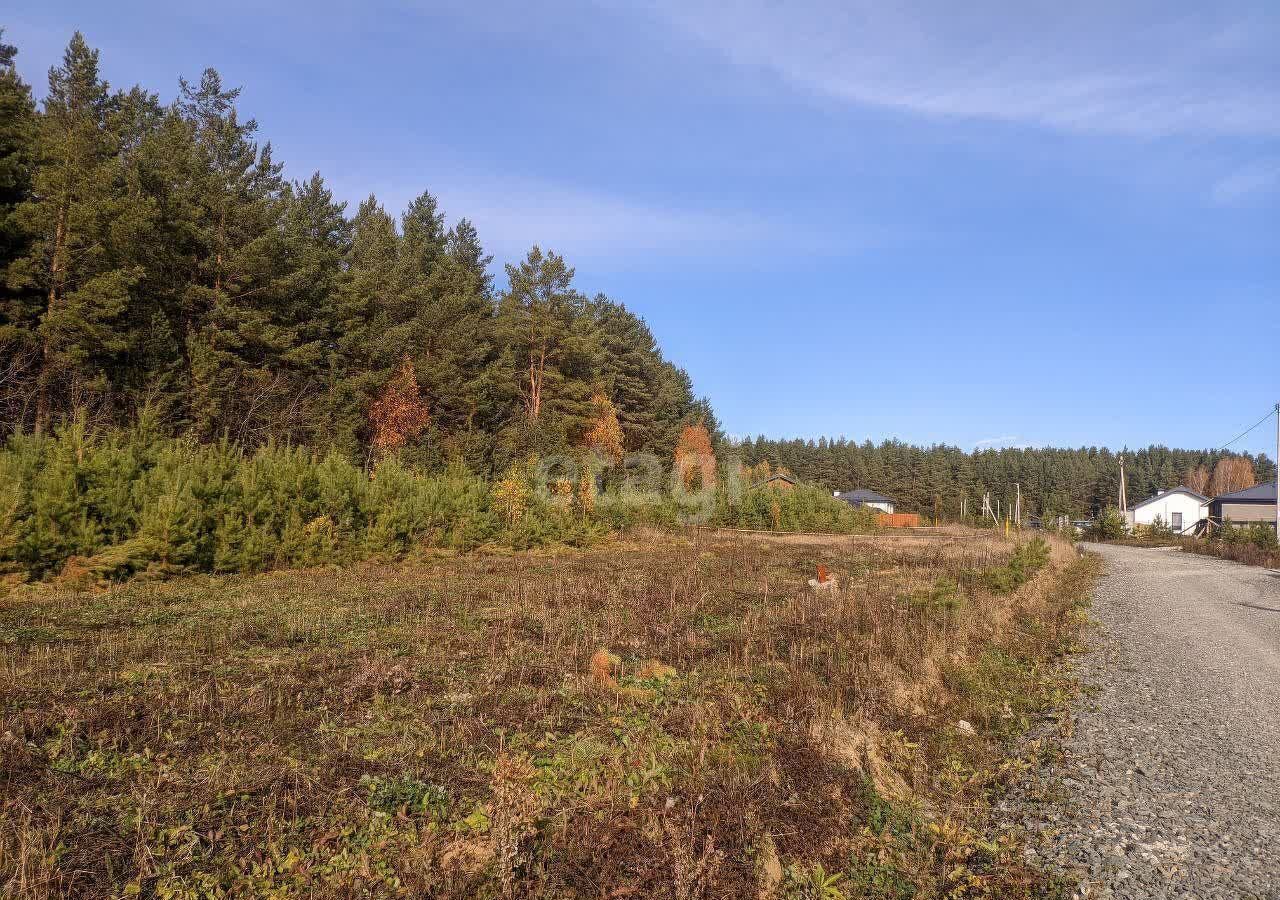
x: 1170, y: 782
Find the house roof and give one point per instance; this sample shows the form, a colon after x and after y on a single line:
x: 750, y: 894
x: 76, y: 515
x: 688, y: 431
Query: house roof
x: 1178, y: 490
x: 862, y: 495
x: 780, y: 476
x: 1259, y: 493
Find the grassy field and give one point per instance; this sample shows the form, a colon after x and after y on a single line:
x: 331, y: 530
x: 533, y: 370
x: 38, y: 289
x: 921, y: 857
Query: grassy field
x: 660, y: 718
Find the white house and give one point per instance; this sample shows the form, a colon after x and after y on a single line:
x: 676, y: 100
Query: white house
x: 864, y: 497
x: 1179, y: 509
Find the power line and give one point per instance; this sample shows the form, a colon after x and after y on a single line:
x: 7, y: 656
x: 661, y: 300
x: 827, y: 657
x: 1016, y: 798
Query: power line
x: 1270, y: 413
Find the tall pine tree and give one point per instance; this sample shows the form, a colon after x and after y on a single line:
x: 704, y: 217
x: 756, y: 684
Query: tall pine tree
x: 376, y: 307
x: 83, y: 226
x: 19, y: 309
x: 234, y: 334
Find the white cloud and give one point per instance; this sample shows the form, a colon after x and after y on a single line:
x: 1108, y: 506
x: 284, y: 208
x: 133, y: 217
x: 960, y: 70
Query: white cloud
x: 1090, y: 67
x: 512, y: 213
x: 1247, y: 183
x: 1005, y: 440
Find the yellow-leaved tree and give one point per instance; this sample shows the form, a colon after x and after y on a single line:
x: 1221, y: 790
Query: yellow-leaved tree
x: 511, y: 495
x: 1197, y: 479
x: 605, y: 434
x: 1232, y: 473
x: 695, y: 461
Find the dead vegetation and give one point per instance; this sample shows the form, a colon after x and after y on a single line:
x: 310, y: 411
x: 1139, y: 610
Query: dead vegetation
x: 666, y: 719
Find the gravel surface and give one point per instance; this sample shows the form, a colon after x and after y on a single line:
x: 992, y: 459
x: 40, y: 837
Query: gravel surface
x: 1169, y: 785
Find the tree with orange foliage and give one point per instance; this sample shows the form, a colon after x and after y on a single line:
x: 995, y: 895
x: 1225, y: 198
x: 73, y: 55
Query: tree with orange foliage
x: 1197, y: 479
x: 400, y: 412
x: 605, y: 434
x: 1232, y: 473
x: 695, y: 461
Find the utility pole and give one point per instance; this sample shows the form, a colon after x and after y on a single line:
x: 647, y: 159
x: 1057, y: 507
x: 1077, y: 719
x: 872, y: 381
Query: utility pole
x: 1124, y: 500
x: 1278, y: 471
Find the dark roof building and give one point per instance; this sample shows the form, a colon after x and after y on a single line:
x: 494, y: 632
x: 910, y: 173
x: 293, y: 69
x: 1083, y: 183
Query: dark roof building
x: 1253, y: 504
x: 1259, y: 493
x: 780, y: 479
x: 862, y: 496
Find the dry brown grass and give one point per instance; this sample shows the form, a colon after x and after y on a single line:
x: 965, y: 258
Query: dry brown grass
x: 659, y: 719
x: 1242, y: 551
x: 1248, y: 554
x: 957, y: 541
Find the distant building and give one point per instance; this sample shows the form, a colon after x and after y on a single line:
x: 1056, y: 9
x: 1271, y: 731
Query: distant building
x: 1179, y: 508
x: 1255, y: 504
x: 864, y: 497
x: 780, y: 481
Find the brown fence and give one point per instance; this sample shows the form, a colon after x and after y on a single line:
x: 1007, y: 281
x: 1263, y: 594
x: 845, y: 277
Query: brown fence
x: 898, y: 520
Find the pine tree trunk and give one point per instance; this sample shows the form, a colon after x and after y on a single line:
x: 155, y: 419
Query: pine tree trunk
x: 537, y: 371
x: 217, y: 255
x: 56, y: 269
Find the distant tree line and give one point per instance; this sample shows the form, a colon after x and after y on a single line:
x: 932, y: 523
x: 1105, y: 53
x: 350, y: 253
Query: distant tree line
x: 155, y: 256
x: 1073, y: 482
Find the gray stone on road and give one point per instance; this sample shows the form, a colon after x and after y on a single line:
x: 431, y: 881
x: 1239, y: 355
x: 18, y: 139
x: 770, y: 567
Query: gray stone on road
x: 1170, y: 782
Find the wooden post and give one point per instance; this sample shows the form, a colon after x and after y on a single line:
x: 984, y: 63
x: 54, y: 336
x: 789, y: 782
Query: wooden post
x: 1124, y: 499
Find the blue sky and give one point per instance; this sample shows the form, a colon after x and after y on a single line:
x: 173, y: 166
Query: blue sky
x: 1024, y: 223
